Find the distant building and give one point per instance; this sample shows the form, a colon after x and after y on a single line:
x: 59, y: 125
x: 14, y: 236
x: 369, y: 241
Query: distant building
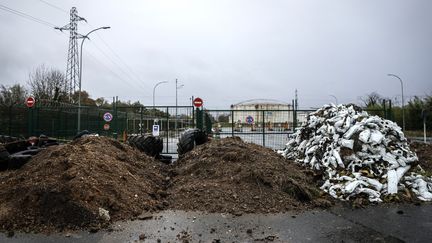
x: 275, y: 114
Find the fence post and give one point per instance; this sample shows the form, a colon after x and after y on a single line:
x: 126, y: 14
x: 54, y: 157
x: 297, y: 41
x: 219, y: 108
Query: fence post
x: 10, y: 121
x: 29, y: 121
x: 232, y: 123
x: 390, y: 111
x: 167, y: 129
x: 384, y: 108
x: 263, y: 127
x: 141, y: 120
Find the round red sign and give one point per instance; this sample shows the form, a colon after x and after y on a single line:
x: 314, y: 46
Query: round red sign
x: 198, y: 102
x: 30, y: 102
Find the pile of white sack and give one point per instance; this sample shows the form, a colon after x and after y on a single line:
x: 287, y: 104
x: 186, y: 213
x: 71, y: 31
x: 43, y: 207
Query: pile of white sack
x: 357, y: 153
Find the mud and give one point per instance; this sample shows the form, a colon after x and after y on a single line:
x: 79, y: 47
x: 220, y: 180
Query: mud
x: 65, y: 187
x: 232, y: 176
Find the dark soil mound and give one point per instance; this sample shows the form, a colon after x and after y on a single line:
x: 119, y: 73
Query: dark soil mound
x: 229, y: 175
x: 66, y: 187
x: 424, y: 154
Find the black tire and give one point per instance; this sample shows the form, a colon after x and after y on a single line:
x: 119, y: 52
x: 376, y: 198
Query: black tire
x: 4, y: 158
x: 189, y: 139
x: 80, y: 134
x: 28, y: 152
x: 152, y: 146
x: 17, y: 146
x: 166, y: 159
x: 132, y: 141
x: 17, y: 161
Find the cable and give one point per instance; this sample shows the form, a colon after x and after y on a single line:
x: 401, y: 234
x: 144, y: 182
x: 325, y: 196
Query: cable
x: 115, y: 63
x: 109, y: 69
x: 26, y: 16
x: 54, y: 6
x: 120, y: 59
x: 131, y: 73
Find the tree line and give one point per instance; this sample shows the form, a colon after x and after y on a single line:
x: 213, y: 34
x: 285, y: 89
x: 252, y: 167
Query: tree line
x: 48, y: 84
x: 417, y: 110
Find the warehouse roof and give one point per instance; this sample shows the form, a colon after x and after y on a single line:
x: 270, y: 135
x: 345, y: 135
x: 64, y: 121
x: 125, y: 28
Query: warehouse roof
x: 262, y: 102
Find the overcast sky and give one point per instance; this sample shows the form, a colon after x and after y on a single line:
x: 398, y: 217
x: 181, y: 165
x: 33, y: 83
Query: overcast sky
x: 227, y: 51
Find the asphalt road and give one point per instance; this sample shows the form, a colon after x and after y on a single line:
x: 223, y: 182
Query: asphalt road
x: 383, y: 223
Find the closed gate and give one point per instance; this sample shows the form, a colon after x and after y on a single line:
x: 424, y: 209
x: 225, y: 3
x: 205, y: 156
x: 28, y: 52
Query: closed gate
x: 172, y: 121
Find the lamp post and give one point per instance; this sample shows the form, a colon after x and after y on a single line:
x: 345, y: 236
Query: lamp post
x: 335, y: 98
x: 84, y: 37
x: 403, y: 104
x: 177, y: 88
x: 154, y: 90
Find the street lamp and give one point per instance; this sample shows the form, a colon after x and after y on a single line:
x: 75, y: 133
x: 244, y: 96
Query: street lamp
x: 335, y: 98
x: 84, y: 37
x: 177, y: 88
x: 403, y: 109
x: 154, y: 89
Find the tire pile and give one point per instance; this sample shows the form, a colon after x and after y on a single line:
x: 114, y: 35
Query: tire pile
x: 359, y: 155
x: 190, y: 139
x: 17, y: 151
x: 150, y: 145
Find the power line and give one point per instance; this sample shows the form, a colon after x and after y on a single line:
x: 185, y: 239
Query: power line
x: 121, y: 60
x: 26, y: 16
x: 115, y: 63
x: 54, y: 6
x: 131, y: 73
x: 109, y: 69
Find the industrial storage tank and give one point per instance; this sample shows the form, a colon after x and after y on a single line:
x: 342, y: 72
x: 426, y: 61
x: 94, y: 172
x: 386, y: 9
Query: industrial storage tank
x: 275, y: 114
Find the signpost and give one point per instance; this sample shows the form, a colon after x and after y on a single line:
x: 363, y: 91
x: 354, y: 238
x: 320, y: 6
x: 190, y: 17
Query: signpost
x: 156, y: 129
x: 30, y: 102
x: 198, y: 102
x: 249, y: 120
x: 107, y: 117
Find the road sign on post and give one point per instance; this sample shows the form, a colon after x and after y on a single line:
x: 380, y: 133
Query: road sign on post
x: 30, y: 102
x: 198, y: 102
x: 156, y: 130
x: 249, y: 120
x: 107, y: 117
x: 106, y: 126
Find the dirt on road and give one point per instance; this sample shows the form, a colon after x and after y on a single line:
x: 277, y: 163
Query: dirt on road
x: 233, y: 176
x: 70, y: 187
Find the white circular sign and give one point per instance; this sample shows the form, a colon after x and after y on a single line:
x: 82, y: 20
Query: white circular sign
x: 107, y: 117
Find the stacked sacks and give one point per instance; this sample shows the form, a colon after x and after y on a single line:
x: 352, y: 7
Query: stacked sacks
x: 357, y: 153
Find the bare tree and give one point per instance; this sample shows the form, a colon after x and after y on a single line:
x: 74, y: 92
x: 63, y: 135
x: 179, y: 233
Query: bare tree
x: 10, y: 96
x: 372, y: 99
x: 48, y: 84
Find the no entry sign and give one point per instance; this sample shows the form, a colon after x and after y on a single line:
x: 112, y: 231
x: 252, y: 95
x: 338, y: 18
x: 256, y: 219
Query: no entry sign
x: 198, y: 102
x: 30, y: 102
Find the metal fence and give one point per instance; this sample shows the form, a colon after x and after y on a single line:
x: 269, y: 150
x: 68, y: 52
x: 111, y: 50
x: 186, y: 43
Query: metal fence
x: 57, y: 120
x: 269, y: 128
x: 172, y: 121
